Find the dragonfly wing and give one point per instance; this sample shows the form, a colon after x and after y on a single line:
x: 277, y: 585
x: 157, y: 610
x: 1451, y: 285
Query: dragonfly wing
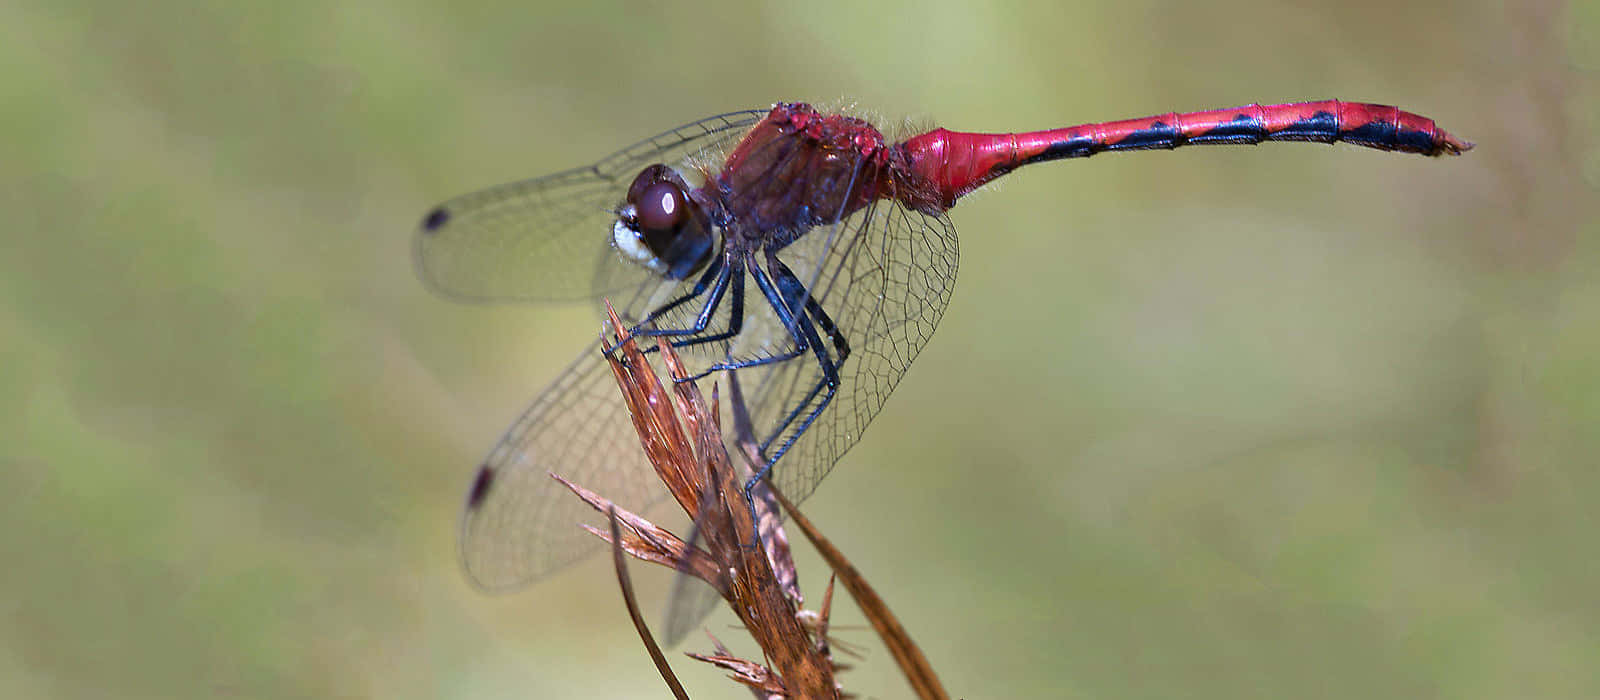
x: 548, y: 239
x: 520, y: 525
x: 885, y: 277
x: 690, y: 601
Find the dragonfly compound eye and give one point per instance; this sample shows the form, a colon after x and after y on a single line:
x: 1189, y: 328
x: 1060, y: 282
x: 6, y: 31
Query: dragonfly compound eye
x: 661, y: 210
x: 661, y: 227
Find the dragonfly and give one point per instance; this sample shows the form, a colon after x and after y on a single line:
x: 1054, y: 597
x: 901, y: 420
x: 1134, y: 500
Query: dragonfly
x: 799, y: 251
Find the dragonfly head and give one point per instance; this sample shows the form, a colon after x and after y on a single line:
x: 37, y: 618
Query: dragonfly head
x: 662, y: 227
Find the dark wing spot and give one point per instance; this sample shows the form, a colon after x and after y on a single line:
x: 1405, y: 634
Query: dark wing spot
x: 435, y: 219
x: 480, y: 487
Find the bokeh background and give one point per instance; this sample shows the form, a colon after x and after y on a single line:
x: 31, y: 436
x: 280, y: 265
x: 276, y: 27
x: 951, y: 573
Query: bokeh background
x: 1291, y: 421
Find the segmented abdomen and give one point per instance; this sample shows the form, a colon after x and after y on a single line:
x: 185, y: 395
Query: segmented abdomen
x: 1383, y: 127
x: 949, y: 164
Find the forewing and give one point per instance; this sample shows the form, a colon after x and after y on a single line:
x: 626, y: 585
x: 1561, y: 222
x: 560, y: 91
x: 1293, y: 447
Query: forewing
x: 549, y: 238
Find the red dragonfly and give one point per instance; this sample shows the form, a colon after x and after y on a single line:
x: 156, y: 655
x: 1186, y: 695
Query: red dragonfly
x: 843, y: 236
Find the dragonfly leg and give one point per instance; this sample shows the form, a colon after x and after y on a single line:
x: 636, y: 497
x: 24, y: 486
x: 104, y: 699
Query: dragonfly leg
x: 827, y: 386
x: 781, y: 298
x: 700, y: 287
x: 715, y: 279
x: 840, y: 344
x: 735, y: 317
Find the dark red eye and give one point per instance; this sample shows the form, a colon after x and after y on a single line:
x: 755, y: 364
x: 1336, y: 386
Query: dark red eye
x: 661, y: 208
x: 661, y: 227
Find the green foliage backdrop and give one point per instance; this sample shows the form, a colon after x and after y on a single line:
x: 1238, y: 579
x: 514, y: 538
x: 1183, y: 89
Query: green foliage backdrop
x: 1291, y: 421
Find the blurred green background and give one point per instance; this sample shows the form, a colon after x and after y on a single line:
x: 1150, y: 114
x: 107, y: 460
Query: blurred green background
x: 1293, y: 421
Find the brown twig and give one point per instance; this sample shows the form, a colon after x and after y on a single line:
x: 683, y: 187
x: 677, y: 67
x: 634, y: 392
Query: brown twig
x: 681, y: 436
x: 912, y: 663
x: 632, y: 604
x: 681, y: 433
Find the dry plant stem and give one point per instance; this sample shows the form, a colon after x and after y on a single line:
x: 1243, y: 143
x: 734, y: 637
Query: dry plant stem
x: 827, y: 614
x: 665, y: 443
x: 682, y: 438
x: 632, y: 604
x: 646, y: 541
x: 757, y: 677
x: 919, y: 673
x: 759, y: 597
x: 719, y: 659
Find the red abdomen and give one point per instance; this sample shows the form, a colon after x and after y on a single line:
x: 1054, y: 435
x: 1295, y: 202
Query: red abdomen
x: 950, y: 164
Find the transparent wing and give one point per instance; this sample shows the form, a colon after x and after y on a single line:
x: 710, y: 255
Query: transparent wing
x: 885, y: 277
x: 549, y: 238
x: 519, y: 524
